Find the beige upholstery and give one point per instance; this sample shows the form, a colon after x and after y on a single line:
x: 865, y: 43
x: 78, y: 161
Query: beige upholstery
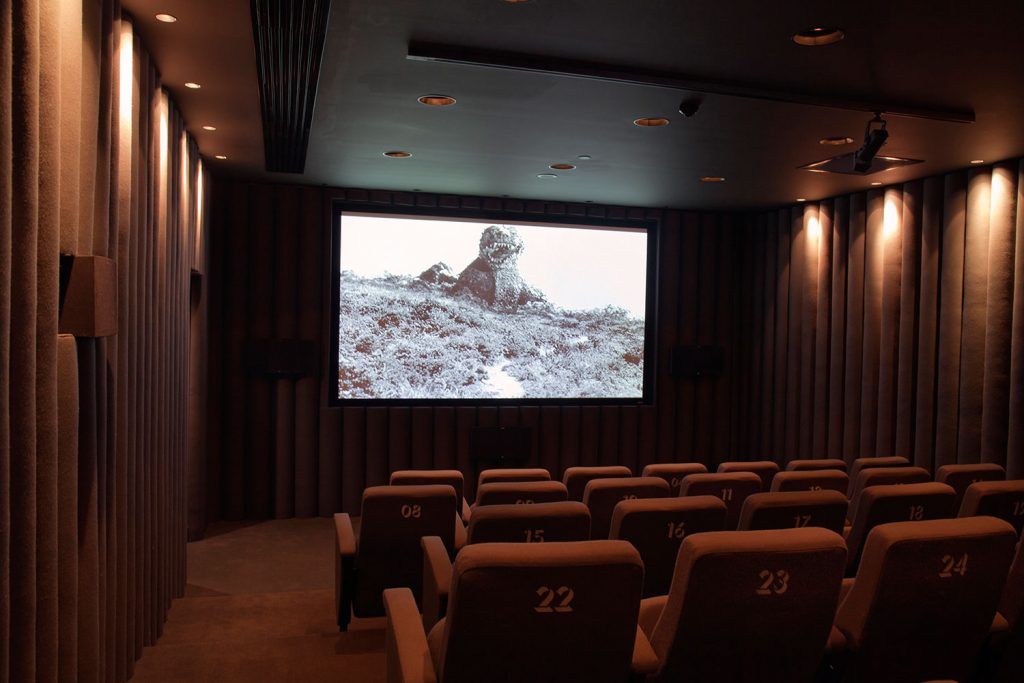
x: 512, y: 474
x: 451, y: 477
x: 884, y: 476
x: 1002, y: 499
x: 811, y: 480
x: 816, y: 464
x: 871, y: 463
x: 731, y: 487
x: 794, y: 509
x: 576, y: 478
x: 673, y: 472
x: 601, y: 496
x: 895, y: 503
x: 520, y: 493
x: 962, y: 476
x: 543, y: 522
x: 657, y: 526
x: 747, y: 606
x: 921, y: 605
x: 765, y: 469
x: 525, y: 612
x: 387, y: 552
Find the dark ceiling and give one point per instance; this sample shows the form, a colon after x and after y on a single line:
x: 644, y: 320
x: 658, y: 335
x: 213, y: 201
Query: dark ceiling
x: 508, y: 126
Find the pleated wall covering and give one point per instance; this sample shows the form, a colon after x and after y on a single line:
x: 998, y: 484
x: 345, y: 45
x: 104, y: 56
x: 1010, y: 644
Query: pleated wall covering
x: 888, y: 323
x: 282, y: 452
x: 93, y: 160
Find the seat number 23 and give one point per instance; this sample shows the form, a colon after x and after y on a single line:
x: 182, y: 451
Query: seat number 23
x: 773, y: 583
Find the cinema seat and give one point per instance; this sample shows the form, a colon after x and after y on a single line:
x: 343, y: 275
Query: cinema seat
x: 795, y: 509
x: 526, y: 612
x: 766, y: 469
x: 871, y: 463
x: 601, y: 496
x: 657, y: 526
x: 811, y: 480
x: 387, y: 552
x: 884, y: 476
x: 816, y: 464
x: 512, y: 474
x: 731, y: 487
x: 540, y: 523
x: 895, y: 503
x: 747, y: 606
x: 1006, y: 647
x: 520, y: 493
x: 451, y: 477
x: 1002, y: 499
x: 673, y: 472
x: 576, y: 478
x: 924, y: 599
x: 962, y: 476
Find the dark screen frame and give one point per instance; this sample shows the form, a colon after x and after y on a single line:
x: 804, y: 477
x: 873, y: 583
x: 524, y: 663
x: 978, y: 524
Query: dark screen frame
x: 651, y: 226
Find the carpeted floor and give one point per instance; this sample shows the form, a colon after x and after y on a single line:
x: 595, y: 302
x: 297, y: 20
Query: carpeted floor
x: 259, y: 607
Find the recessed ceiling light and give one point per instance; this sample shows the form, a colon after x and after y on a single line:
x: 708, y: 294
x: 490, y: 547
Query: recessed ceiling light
x: 194, y: 86
x: 712, y: 179
x: 977, y: 161
x: 877, y: 182
x: 166, y: 18
x: 562, y: 167
x: 584, y: 157
x: 801, y: 199
x: 838, y: 140
x: 221, y: 157
x: 209, y: 127
x: 436, y: 100
x: 546, y: 176
x: 398, y: 154
x: 819, y: 35
x: 650, y: 122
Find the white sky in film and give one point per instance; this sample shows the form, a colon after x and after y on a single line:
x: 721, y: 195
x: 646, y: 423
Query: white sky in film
x: 576, y: 268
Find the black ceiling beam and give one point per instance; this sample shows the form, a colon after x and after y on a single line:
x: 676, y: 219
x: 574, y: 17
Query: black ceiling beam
x: 289, y: 36
x: 572, y: 68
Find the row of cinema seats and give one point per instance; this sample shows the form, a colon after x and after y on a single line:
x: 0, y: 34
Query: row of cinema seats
x: 655, y: 526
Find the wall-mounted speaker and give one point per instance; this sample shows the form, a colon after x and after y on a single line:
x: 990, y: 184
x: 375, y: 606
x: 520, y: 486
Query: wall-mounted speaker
x: 283, y: 358
x: 88, y: 296
x: 695, y: 362
x: 500, y: 446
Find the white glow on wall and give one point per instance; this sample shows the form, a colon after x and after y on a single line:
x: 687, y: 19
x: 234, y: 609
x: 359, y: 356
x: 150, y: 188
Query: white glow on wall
x: 127, y: 60
x: 891, y: 217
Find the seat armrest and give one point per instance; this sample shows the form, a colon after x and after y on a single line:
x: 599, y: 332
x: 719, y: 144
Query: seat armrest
x: 645, y: 661
x: 844, y: 590
x: 437, y: 579
x: 346, y: 536
x: 466, y: 513
x: 650, y: 612
x: 460, y: 535
x: 406, y: 651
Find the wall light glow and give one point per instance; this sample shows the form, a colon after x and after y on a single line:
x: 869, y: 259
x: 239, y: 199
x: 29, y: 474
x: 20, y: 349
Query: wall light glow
x: 891, y: 217
x: 126, y: 54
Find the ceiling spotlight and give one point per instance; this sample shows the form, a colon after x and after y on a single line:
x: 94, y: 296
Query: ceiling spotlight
x: 650, y: 122
x: 819, y: 35
x: 436, y: 100
x: 689, y: 106
x: 801, y: 199
x: 221, y: 157
x: 838, y: 140
x: 712, y: 179
x: 876, y: 183
x: 166, y: 18
x: 561, y: 167
x: 209, y: 127
x: 397, y: 154
x: 546, y: 176
x: 875, y: 136
x: 977, y: 161
x: 193, y: 86
x: 584, y: 157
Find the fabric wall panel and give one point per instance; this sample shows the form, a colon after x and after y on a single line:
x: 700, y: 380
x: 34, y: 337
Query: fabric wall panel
x: 822, y: 360
x: 928, y: 321
x: 706, y: 309
x: 908, y: 304
x: 329, y: 451
x: 1015, y: 435
x: 667, y: 302
x: 794, y: 334
x: 686, y: 326
x: 781, y: 386
x: 839, y: 322
x: 722, y: 415
x: 353, y: 457
x: 874, y: 265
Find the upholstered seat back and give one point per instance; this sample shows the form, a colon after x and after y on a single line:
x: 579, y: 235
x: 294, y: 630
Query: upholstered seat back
x: 870, y: 463
x: 657, y: 526
x: 393, y: 520
x: 925, y: 597
x: 601, y: 496
x: 674, y: 472
x: 962, y: 476
x: 512, y: 474
x: 816, y: 464
x: 1002, y: 499
x: 811, y: 480
x: 731, y: 487
x: 793, y: 510
x: 765, y: 469
x: 520, y: 493
x: 750, y: 606
x: 452, y: 478
x: 576, y: 478
x: 540, y: 523
x: 884, y: 476
x: 540, y: 612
